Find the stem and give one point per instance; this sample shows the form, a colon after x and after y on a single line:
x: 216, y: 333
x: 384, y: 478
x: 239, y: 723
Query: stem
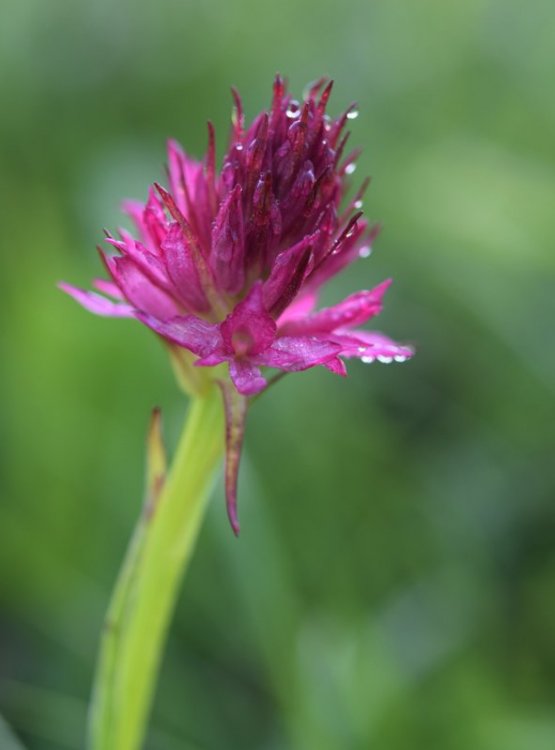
x: 147, y: 587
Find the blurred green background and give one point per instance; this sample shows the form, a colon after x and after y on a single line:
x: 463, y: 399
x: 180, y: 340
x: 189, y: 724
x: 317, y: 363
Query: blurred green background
x: 394, y: 584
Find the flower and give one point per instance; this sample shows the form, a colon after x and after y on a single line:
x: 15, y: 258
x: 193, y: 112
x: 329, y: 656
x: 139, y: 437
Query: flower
x: 228, y: 265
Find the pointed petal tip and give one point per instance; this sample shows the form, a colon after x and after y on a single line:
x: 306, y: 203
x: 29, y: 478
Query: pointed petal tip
x: 173, y: 209
x: 237, y: 114
x: 233, y: 519
x: 379, y: 291
x: 237, y: 101
x: 97, y: 303
x: 167, y: 198
x: 325, y: 96
x: 211, y: 140
x: 173, y: 145
x: 337, y: 366
x: 161, y: 191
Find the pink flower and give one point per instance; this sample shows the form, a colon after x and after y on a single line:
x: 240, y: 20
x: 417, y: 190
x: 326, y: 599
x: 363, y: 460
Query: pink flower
x: 228, y: 265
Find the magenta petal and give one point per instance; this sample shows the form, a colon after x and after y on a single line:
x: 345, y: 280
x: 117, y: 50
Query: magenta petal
x: 370, y: 346
x: 337, y: 366
x: 249, y: 329
x: 287, y: 275
x: 143, y: 293
x: 301, y: 306
x: 98, y: 304
x: 136, y: 212
x: 149, y: 219
x: 295, y: 353
x: 193, y: 242
x: 182, y: 270
x: 228, y: 244
x: 235, y: 415
x: 150, y: 264
x: 213, y: 359
x: 193, y: 333
x: 154, y: 220
x: 357, y: 245
x: 246, y: 376
x: 354, y: 310
x: 108, y: 287
x: 182, y: 174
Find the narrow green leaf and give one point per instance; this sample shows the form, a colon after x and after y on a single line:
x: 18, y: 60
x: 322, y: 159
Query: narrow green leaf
x: 148, y: 584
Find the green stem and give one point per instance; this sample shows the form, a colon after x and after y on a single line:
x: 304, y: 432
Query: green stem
x: 147, y: 587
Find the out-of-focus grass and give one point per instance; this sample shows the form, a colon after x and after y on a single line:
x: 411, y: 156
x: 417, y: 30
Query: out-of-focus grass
x: 393, y: 585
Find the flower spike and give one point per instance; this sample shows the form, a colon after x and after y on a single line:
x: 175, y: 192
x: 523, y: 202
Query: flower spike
x: 228, y: 264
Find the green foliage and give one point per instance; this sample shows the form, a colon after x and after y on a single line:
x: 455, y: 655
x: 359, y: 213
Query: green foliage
x: 393, y: 584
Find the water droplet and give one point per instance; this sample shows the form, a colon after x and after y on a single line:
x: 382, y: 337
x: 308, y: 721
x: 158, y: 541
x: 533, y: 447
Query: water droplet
x: 361, y: 349
x: 367, y: 359
x: 350, y: 168
x: 239, y: 147
x: 364, y: 252
x: 384, y: 359
x: 357, y: 204
x: 352, y: 115
x: 293, y: 109
x: 400, y: 358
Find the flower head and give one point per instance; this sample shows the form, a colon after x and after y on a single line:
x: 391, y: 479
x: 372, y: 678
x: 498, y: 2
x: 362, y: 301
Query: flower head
x: 227, y: 265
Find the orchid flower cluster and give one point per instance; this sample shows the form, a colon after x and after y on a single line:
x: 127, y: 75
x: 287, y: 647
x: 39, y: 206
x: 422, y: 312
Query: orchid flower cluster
x: 227, y: 265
